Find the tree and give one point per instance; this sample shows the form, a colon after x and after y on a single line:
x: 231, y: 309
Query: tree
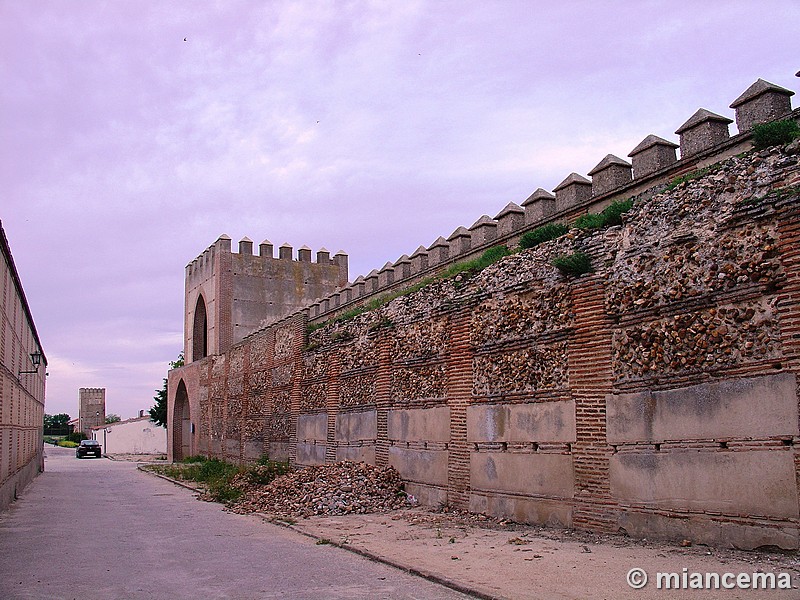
x: 112, y: 418
x: 158, y: 412
x: 56, y: 424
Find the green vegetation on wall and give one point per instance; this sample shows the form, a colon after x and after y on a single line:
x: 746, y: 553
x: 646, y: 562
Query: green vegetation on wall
x: 574, y: 264
x: 610, y: 215
x: 776, y: 133
x: 542, y: 234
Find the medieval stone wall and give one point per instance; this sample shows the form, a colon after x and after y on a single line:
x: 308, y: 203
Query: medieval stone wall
x: 656, y: 394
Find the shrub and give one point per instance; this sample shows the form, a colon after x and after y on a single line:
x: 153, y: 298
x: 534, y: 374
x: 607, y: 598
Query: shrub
x: 76, y: 437
x: 542, y: 234
x: 67, y: 444
x: 194, y: 459
x: 574, y: 264
x: 610, y: 215
x: 494, y: 254
x: 614, y: 211
x: 222, y: 480
x: 590, y: 221
x: 776, y: 133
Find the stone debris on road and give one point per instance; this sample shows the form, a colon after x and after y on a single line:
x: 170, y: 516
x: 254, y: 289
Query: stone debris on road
x: 334, y: 489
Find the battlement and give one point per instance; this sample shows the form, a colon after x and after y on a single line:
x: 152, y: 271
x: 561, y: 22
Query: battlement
x: 202, y: 264
x: 704, y: 139
x: 228, y: 294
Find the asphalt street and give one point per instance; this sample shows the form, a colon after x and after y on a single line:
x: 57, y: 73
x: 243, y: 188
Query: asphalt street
x: 95, y: 528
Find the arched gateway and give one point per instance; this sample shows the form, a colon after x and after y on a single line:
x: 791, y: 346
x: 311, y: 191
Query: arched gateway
x: 181, y: 425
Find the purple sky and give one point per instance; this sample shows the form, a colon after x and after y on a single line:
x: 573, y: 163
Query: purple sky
x: 367, y: 126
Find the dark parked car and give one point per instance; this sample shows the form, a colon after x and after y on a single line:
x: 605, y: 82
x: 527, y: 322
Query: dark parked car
x: 89, y: 447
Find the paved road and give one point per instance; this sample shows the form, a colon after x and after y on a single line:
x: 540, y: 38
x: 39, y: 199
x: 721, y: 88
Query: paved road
x: 99, y: 529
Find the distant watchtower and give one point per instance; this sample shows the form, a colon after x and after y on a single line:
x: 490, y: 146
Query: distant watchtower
x: 91, y: 409
x: 229, y: 296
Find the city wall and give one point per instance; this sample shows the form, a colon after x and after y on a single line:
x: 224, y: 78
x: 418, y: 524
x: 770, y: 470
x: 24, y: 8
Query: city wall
x: 655, y: 395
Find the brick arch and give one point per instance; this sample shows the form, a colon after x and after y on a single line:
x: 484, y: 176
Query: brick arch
x: 200, y: 330
x: 181, y: 424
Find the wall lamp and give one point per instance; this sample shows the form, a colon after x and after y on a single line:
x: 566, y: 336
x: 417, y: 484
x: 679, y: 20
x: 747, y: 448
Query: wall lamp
x: 36, y: 359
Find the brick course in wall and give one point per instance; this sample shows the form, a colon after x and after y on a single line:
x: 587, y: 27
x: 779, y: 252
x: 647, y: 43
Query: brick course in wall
x: 590, y: 381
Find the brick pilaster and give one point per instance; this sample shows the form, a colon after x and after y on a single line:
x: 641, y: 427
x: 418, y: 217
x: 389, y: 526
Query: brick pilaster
x: 789, y: 306
x: 383, y: 400
x: 459, y: 394
x: 298, y: 324
x: 590, y: 381
x: 332, y: 403
x: 224, y: 304
x: 245, y: 415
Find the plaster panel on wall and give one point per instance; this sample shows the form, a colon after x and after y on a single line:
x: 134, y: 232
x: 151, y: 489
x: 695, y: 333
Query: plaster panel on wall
x: 755, y: 407
x: 424, y: 466
x: 312, y: 427
x: 542, y: 474
x: 704, y: 530
x: 356, y: 453
x: 420, y: 424
x: 555, y: 513
x: 757, y: 483
x: 354, y: 426
x: 540, y: 422
x: 310, y: 454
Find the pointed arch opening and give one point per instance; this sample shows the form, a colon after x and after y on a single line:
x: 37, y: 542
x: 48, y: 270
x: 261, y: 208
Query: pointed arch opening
x: 181, y: 425
x: 200, y: 330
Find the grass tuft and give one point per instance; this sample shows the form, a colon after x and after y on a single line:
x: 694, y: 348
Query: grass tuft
x: 574, y: 264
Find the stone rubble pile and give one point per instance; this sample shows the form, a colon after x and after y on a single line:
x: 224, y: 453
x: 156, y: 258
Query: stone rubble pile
x: 335, y: 489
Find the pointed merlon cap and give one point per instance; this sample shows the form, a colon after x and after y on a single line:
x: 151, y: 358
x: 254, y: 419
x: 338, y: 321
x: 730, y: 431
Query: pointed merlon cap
x: 572, y: 179
x: 223, y: 243
x: 438, y: 242
x: 303, y: 247
x: 757, y: 89
x: 422, y: 250
x: 387, y: 266
x: 341, y: 253
x: 359, y: 279
x: 510, y: 209
x: 323, y: 249
x: 266, y: 243
x: 458, y: 233
x: 650, y: 141
x: 608, y: 161
x: 286, y: 245
x: 539, y: 194
x: 702, y: 116
x: 373, y: 273
x: 403, y: 260
x: 484, y: 220
x: 246, y: 239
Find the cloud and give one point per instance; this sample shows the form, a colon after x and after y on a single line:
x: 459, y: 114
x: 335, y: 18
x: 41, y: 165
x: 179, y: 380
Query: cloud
x: 366, y: 126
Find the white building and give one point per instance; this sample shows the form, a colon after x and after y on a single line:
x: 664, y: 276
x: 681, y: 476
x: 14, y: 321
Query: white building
x: 139, y: 435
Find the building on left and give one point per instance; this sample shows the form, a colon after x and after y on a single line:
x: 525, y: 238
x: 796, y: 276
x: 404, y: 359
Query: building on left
x: 23, y: 369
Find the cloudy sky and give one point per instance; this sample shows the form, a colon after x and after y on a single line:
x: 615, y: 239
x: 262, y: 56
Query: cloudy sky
x: 134, y: 133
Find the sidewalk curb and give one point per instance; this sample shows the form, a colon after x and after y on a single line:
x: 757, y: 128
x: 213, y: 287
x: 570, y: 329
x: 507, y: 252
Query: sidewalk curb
x: 433, y: 577
x: 440, y: 579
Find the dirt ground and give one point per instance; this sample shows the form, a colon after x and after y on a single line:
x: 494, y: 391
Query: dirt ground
x: 497, y: 559
x: 511, y: 561
x: 142, y: 458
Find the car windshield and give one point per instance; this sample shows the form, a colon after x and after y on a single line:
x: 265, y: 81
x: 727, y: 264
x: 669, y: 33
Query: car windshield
x: 90, y: 443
